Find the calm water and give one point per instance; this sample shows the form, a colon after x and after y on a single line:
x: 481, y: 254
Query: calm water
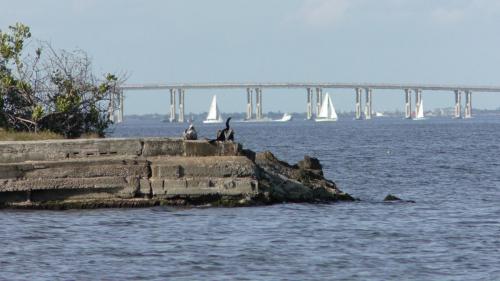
x: 450, y: 168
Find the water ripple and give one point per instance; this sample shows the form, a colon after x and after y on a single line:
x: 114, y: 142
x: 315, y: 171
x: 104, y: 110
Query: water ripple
x: 451, y: 169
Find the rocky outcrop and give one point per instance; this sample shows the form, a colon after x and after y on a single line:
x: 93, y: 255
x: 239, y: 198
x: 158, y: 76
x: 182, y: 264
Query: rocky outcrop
x: 153, y: 171
x: 303, y: 182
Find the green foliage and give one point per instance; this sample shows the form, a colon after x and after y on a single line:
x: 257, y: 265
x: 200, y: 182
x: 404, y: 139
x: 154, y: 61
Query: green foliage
x: 70, y: 101
x: 14, y: 92
x: 23, y: 86
x: 12, y: 43
x: 37, y: 113
x: 67, y: 102
x: 107, y: 85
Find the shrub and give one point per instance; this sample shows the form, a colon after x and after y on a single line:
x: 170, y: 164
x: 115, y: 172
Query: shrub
x: 51, y: 90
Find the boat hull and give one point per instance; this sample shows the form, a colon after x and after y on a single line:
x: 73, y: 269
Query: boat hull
x: 325, y: 120
x: 213, y: 121
x: 285, y: 119
x: 255, y: 120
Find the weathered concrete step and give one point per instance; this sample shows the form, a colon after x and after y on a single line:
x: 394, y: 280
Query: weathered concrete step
x: 54, y: 150
x: 111, y: 172
x: 11, y: 185
x: 222, y: 166
x: 76, y: 168
x: 200, y: 186
x: 50, y: 150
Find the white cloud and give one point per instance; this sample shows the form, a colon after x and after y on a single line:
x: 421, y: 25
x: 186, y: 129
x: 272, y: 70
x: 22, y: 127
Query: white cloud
x: 322, y: 13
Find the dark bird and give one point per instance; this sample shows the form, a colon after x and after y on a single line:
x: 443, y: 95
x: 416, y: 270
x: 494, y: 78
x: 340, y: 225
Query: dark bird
x: 190, y: 133
x: 226, y: 134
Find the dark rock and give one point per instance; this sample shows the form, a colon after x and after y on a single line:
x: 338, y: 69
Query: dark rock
x: 310, y: 163
x: 303, y: 182
x: 267, y: 161
x: 250, y: 154
x: 391, y: 197
x: 268, y: 156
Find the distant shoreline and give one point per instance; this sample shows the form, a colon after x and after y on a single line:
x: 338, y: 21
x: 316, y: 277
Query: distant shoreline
x: 444, y: 112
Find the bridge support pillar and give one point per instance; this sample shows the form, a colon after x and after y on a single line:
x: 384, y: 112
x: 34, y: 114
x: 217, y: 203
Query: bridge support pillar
x: 249, y: 103
x: 181, y: 105
x: 418, y: 100
x: 408, y: 103
x: 319, y: 100
x: 458, y: 104
x: 173, y: 110
x: 359, y: 92
x: 368, y: 104
x: 309, y: 103
x: 258, y: 95
x: 468, y: 104
x: 111, y: 107
x: 120, y: 112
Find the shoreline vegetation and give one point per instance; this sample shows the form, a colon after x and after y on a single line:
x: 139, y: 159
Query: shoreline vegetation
x: 34, y: 136
x: 28, y: 136
x: 439, y: 113
x: 52, y: 91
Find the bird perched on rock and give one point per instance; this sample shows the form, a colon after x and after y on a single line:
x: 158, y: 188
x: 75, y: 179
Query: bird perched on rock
x: 190, y: 133
x: 226, y: 134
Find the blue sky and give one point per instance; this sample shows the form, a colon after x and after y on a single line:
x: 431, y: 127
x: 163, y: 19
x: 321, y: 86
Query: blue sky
x: 439, y: 41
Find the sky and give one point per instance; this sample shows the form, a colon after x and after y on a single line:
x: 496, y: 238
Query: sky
x: 180, y: 41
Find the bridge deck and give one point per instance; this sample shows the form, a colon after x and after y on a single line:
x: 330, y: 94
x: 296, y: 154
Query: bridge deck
x: 385, y: 86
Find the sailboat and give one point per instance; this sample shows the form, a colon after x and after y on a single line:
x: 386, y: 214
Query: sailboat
x: 419, y: 115
x: 327, y: 111
x: 213, y: 113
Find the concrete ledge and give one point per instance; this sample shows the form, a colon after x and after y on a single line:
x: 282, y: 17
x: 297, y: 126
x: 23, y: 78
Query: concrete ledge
x: 85, y: 168
x: 62, y: 183
x: 151, y: 171
x: 162, y: 147
x: 222, y: 166
x: 204, y: 186
x: 204, y: 148
x: 98, y: 193
x: 54, y: 150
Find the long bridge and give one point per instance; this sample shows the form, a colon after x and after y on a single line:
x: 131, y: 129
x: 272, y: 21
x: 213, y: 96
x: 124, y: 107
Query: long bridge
x: 314, y: 96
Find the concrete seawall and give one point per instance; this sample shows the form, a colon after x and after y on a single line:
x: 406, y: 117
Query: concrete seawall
x: 60, y: 174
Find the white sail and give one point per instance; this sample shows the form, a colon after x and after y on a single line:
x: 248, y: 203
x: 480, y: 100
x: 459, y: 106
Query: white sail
x: 323, y: 112
x: 214, y: 115
x: 420, y: 110
x: 213, y: 112
x: 333, y: 113
x: 327, y: 111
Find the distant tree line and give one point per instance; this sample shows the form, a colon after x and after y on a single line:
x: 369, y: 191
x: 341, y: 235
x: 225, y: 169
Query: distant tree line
x: 42, y: 88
